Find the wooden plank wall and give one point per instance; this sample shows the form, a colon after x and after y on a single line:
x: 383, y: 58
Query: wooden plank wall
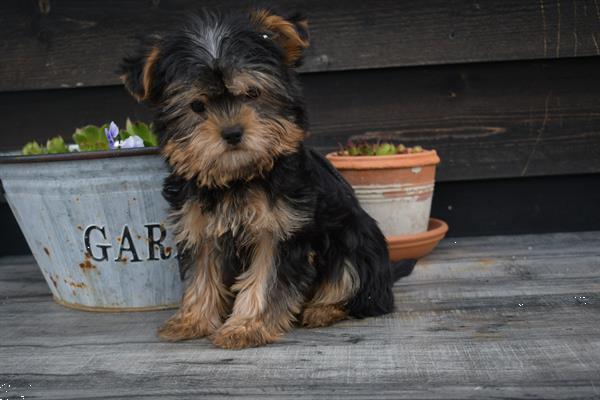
x: 492, y: 120
x: 68, y: 43
x: 501, y: 88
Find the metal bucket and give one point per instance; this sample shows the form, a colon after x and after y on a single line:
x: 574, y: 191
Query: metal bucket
x: 95, y: 223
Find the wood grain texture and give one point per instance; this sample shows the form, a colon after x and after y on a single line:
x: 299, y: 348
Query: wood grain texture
x: 72, y: 43
x: 519, y: 206
x: 506, y: 317
x: 12, y: 241
x: 486, y: 121
x: 496, y: 120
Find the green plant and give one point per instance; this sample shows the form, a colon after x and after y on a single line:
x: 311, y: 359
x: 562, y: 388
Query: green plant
x: 91, y: 138
x: 377, y: 149
x: 141, y: 130
x: 53, y: 146
x: 96, y: 138
x: 56, y: 145
x: 32, y: 148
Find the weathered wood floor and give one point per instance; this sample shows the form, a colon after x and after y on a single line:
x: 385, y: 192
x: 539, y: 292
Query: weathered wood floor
x: 501, y: 317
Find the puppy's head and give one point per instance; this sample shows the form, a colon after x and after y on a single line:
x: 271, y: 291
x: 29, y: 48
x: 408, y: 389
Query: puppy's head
x: 225, y: 93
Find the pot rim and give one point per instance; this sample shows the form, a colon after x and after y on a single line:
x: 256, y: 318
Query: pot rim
x: 436, y: 230
x: 15, y: 158
x: 424, y: 158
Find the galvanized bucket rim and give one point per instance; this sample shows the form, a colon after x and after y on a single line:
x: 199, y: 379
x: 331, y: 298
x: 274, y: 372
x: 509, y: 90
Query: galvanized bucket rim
x: 13, y: 158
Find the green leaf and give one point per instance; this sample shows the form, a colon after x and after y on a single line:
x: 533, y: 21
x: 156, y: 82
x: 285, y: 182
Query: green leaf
x: 385, y: 149
x: 142, y: 130
x: 353, y: 151
x: 366, y: 150
x: 56, y: 145
x: 128, y: 125
x: 91, y: 138
x: 32, y: 148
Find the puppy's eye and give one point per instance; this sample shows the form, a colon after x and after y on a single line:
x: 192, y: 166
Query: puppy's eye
x: 198, y: 106
x: 252, y: 93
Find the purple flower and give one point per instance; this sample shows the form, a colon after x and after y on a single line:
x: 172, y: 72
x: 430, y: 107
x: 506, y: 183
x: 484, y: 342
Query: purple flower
x: 111, y: 134
x: 132, y: 141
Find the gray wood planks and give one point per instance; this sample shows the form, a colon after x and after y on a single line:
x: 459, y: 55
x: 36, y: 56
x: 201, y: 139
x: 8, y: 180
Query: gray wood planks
x: 507, y: 317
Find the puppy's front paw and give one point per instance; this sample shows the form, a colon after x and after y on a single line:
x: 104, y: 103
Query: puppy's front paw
x: 178, y: 328
x: 243, y: 334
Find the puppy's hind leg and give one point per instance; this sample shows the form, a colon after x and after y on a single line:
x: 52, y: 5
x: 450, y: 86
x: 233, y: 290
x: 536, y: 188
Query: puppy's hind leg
x: 328, y: 304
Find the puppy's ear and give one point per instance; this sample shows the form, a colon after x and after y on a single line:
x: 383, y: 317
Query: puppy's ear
x: 139, y: 71
x: 291, y: 33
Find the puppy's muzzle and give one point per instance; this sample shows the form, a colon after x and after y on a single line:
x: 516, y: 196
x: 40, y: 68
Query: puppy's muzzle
x: 233, y: 134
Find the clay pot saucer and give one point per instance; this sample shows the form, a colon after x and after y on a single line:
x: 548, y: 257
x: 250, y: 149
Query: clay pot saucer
x: 419, y: 244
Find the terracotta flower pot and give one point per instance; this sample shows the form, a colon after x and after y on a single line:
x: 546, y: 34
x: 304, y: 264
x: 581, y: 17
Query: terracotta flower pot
x: 395, y: 190
x: 419, y: 244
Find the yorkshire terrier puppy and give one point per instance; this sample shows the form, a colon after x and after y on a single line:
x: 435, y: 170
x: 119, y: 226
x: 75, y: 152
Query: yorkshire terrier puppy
x: 270, y: 232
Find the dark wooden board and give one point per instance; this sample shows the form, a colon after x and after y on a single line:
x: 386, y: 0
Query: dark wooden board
x: 73, y: 43
x: 485, y: 120
x: 495, y: 317
x: 12, y: 241
x: 518, y: 206
x: 496, y: 120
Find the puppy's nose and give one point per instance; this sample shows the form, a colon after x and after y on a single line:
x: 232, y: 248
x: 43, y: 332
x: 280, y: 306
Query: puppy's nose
x: 232, y: 134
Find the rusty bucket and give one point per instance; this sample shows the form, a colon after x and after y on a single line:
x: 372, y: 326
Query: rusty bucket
x: 95, y: 223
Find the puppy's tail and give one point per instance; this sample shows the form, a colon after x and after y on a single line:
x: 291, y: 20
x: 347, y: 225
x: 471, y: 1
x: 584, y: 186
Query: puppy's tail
x: 402, y: 268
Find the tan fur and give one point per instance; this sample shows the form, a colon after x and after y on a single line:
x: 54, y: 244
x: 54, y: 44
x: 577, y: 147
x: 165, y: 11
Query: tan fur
x: 189, y: 225
x: 179, y: 95
x: 204, y: 304
x: 324, y: 315
x: 253, y: 330
x: 303, y: 24
x: 242, y: 81
x: 278, y: 218
x: 244, y: 334
x: 206, y: 300
x: 260, y: 313
x: 146, y: 76
x: 284, y: 33
x: 256, y: 330
x: 266, y: 327
x: 253, y: 285
x: 328, y: 303
x: 252, y: 211
x: 148, y: 70
x: 311, y: 258
x: 337, y: 292
x: 203, y: 155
